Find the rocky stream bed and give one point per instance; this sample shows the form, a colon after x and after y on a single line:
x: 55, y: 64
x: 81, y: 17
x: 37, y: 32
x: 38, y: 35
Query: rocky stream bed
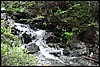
x: 50, y: 51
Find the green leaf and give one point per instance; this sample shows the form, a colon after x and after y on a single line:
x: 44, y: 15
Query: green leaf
x: 22, y: 9
x: 40, y: 17
x: 74, y: 29
x: 2, y: 21
x: 68, y: 33
x: 17, y: 9
x: 45, y: 24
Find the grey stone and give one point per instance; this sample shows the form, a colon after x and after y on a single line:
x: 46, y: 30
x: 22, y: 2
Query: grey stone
x: 32, y: 48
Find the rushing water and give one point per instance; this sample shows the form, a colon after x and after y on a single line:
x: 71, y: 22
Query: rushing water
x: 45, y: 50
x: 44, y: 56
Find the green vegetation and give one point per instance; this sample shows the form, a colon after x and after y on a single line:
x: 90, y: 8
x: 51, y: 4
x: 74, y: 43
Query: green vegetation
x: 67, y: 35
x: 11, y: 53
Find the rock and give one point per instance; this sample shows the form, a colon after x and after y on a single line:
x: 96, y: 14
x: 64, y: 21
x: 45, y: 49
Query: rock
x: 33, y: 37
x: 31, y: 25
x: 61, y: 45
x: 27, y: 38
x: 32, y: 48
x: 47, y: 34
x: 14, y: 30
x: 64, y: 40
x: 51, y: 45
x: 66, y: 51
x: 84, y: 62
x: 38, y: 24
x: 55, y: 53
x: 52, y: 39
x: 20, y: 15
x: 78, y: 48
x: 57, y: 31
x: 79, y: 45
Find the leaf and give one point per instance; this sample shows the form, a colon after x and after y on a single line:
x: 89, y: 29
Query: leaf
x: 68, y: 33
x: 63, y: 12
x: 2, y: 21
x: 40, y: 17
x: 17, y: 9
x: 45, y: 24
x: 74, y: 29
x: 22, y: 9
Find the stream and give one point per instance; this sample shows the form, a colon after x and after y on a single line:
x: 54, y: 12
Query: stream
x: 43, y: 54
x: 50, y: 54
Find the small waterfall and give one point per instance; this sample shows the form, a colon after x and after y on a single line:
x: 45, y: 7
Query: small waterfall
x: 44, y: 49
x: 40, y: 42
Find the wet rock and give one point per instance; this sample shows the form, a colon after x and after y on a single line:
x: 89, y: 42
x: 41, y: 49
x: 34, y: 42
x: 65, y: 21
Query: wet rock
x: 84, y: 62
x: 38, y: 24
x: 47, y: 34
x: 20, y: 15
x: 52, y: 39
x: 31, y: 25
x: 63, y: 58
x: 55, y: 53
x: 51, y: 45
x: 66, y: 51
x: 32, y: 48
x: 79, y: 49
x: 61, y: 45
x: 26, y: 38
x: 64, y: 40
x: 79, y: 45
x: 78, y: 52
x: 33, y: 37
x: 58, y: 31
x: 14, y: 30
x: 23, y: 26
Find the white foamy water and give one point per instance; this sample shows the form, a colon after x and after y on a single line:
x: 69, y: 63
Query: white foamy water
x: 45, y: 51
x: 40, y: 42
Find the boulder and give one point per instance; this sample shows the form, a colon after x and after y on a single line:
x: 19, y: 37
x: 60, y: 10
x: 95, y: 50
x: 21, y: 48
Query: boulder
x: 32, y: 48
x: 27, y: 38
